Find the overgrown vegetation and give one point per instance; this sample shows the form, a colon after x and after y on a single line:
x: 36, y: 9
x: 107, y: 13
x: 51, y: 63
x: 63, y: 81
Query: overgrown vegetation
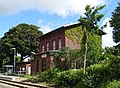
x: 97, y: 76
x: 75, y: 34
x: 46, y: 76
x: 103, y: 68
x: 70, y: 58
x: 94, y: 44
x: 113, y: 84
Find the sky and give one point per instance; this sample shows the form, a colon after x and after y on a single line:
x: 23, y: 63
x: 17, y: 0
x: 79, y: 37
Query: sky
x: 52, y: 14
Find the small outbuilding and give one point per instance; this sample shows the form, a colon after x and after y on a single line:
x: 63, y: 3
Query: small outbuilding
x: 8, y: 69
x: 23, y: 68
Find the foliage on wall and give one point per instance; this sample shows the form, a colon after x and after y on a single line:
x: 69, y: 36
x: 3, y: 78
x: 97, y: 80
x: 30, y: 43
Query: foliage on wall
x: 75, y: 34
x: 94, y: 48
x: 94, y: 42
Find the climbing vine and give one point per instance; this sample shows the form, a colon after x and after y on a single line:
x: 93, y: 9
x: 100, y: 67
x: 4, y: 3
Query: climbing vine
x: 75, y: 34
x: 94, y: 42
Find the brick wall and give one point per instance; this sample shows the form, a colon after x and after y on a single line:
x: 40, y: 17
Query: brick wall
x: 20, y: 66
x: 69, y: 43
x: 49, y: 38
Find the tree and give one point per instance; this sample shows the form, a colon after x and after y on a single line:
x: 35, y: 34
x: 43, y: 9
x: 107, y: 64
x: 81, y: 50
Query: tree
x: 23, y: 37
x: 115, y: 23
x: 90, y: 24
x: 111, y: 51
x: 0, y: 54
x: 67, y: 58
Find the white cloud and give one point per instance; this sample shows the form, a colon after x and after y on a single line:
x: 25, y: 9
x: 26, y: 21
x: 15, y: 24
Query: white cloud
x: 45, y: 28
x: 40, y: 21
x: 107, y: 40
x: 60, y: 7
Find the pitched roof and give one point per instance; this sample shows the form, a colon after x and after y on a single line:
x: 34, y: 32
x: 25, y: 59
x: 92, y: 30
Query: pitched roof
x: 69, y: 26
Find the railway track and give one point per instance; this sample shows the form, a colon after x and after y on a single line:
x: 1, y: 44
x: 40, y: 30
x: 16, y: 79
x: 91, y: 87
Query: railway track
x: 21, y: 84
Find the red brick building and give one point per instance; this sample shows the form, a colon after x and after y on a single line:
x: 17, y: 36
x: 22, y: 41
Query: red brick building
x: 52, y: 42
x: 23, y: 68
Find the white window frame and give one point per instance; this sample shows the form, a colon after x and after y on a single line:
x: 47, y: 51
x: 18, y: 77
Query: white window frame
x: 43, y: 48
x: 47, y: 46
x: 54, y: 45
x: 60, y: 43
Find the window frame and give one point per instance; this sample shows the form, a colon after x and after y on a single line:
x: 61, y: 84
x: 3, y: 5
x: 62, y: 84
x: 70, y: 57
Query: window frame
x: 44, y: 64
x: 47, y: 46
x: 60, y: 43
x: 43, y: 48
x: 54, y: 45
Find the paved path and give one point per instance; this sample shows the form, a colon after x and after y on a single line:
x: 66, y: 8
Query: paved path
x: 6, y: 86
x: 8, y: 77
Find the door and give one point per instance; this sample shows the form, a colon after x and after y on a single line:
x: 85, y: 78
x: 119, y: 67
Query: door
x: 29, y: 70
x: 44, y: 64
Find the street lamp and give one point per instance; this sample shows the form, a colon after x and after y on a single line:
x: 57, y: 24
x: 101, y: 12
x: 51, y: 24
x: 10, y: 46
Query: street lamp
x: 14, y: 59
x: 32, y: 54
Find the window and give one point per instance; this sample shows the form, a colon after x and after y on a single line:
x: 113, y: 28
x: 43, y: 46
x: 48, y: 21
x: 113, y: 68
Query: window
x: 47, y: 46
x: 43, y: 48
x: 60, y: 43
x: 54, y: 45
x: 74, y: 65
x: 43, y: 64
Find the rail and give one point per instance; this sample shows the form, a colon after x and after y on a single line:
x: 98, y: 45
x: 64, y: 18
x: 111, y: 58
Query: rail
x: 21, y: 84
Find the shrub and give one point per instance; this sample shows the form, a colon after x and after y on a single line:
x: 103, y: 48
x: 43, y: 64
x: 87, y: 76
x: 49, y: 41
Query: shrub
x: 95, y: 75
x: 114, y: 84
x: 114, y: 65
x: 69, y: 78
x: 49, y: 75
x: 34, y: 78
x: 46, y: 76
x: 99, y: 74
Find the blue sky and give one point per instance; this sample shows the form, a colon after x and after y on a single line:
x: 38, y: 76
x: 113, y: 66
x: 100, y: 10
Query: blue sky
x: 51, y: 14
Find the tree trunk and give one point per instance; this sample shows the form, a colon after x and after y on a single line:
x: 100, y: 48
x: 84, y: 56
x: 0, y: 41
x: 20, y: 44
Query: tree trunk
x: 85, y: 57
x: 86, y: 38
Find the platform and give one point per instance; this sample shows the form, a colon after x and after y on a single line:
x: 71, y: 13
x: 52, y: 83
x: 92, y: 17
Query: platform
x: 7, y: 77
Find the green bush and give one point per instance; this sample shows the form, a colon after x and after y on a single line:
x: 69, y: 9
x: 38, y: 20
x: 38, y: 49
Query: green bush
x: 99, y: 74
x: 114, y: 65
x: 95, y: 75
x: 114, y: 84
x: 46, y: 76
x: 69, y: 78
x: 34, y: 79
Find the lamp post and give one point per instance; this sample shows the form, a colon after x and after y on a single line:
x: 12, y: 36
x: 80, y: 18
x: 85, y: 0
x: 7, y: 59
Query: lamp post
x: 14, y: 50
x: 32, y: 54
